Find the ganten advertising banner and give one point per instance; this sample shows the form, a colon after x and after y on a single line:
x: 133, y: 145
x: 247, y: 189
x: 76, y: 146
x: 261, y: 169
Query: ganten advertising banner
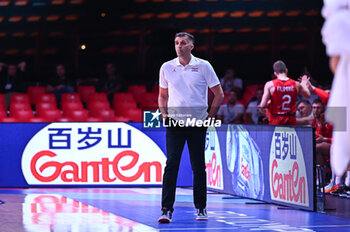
x: 89, y: 154
x: 269, y: 163
x: 273, y: 164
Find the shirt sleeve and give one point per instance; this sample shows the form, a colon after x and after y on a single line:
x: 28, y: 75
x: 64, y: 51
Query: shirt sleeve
x: 211, y: 77
x: 240, y: 109
x: 250, y: 108
x: 163, y: 83
x: 322, y: 94
x: 220, y: 110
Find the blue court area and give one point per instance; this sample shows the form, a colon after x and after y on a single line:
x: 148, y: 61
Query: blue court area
x: 137, y: 209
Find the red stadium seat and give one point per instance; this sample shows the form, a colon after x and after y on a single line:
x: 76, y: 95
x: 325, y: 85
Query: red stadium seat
x: 97, y: 97
x: 78, y: 115
x: 47, y: 97
x: 149, y: 101
x: 137, y: 91
x: 3, y: 106
x: 117, y: 97
x: 34, y: 92
x: 20, y: 106
x: 225, y: 99
x: 2, y: 102
x: 51, y: 115
x: 65, y: 119
x: 249, y: 93
x: 253, y: 88
x: 96, y: 106
x: 155, y: 89
x: 8, y: 119
x: 121, y: 119
x: 69, y: 97
x: 106, y: 115
x: 3, y: 113
x: 85, y: 90
x: 2, y: 99
x: 41, y: 106
x: 37, y: 119
x: 69, y: 106
x: 20, y: 97
x: 134, y: 114
x: 124, y: 105
x: 22, y: 115
x: 94, y: 119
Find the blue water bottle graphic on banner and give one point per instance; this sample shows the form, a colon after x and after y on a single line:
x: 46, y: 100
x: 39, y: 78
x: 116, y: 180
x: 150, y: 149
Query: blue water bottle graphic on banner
x: 244, y: 162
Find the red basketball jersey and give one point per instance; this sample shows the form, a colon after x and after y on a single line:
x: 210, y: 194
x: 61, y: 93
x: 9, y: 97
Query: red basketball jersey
x: 283, y: 100
x: 324, y: 130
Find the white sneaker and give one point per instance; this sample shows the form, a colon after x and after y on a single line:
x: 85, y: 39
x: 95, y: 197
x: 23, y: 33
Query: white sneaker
x: 330, y: 187
x: 202, y: 215
x: 166, y: 216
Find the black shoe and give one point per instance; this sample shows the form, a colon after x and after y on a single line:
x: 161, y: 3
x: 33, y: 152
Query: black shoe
x: 202, y: 215
x: 341, y: 190
x: 166, y: 216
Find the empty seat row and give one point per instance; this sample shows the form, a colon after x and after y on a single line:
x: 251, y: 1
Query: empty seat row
x: 79, y: 115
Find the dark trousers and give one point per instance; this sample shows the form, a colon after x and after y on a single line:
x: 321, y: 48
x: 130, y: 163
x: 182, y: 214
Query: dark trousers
x: 175, y: 141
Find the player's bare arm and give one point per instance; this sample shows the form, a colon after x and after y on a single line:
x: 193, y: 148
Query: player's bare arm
x: 268, y: 90
x: 302, y: 86
x: 163, y: 101
x: 304, y: 121
x: 218, y: 98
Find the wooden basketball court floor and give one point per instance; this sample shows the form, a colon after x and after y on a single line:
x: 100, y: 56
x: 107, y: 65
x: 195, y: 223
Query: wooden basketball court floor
x: 137, y: 209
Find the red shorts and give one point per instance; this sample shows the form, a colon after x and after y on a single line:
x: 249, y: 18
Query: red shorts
x: 289, y: 120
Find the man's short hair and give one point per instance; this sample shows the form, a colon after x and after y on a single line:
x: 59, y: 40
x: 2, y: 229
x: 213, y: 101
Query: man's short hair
x: 182, y: 34
x: 279, y: 67
x: 234, y: 91
x: 306, y: 102
x: 317, y: 101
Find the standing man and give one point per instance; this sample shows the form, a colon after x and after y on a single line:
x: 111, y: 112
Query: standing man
x: 335, y: 35
x: 183, y: 95
x: 283, y: 93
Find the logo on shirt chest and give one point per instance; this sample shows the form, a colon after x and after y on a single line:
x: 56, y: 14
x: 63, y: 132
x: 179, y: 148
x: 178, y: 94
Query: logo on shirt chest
x: 194, y: 69
x: 285, y: 88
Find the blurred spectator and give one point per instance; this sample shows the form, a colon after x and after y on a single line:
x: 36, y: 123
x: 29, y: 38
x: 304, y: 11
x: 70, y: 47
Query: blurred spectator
x: 60, y: 83
x: 12, y: 80
x: 232, y: 112
x: 252, y: 113
x: 230, y: 82
x: 323, y: 131
x: 111, y: 82
x: 304, y: 113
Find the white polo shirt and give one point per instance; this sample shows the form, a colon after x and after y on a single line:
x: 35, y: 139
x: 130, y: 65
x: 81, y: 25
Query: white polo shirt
x: 187, y: 87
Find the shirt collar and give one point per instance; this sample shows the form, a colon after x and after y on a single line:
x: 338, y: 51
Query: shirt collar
x: 193, y: 61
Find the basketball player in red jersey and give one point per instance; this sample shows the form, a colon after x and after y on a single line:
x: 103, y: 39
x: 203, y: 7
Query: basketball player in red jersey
x: 283, y: 93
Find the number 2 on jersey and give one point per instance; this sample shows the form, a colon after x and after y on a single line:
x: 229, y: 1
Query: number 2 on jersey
x: 286, y: 100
